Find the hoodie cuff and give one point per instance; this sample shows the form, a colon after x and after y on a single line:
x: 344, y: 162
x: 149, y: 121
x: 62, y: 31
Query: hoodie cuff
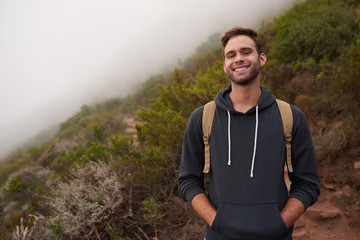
x: 190, y: 195
x: 302, y: 197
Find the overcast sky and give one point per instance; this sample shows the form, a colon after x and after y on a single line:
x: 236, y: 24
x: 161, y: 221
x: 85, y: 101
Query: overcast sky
x: 56, y: 55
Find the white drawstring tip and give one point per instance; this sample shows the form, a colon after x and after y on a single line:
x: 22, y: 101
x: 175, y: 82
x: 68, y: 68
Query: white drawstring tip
x: 251, y: 175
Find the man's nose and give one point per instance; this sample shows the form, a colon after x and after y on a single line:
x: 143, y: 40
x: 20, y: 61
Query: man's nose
x: 239, y: 58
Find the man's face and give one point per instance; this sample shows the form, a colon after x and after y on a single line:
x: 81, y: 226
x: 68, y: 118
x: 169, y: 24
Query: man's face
x: 242, y: 62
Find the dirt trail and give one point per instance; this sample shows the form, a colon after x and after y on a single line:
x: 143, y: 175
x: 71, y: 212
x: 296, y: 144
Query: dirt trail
x: 130, y: 123
x: 334, y: 216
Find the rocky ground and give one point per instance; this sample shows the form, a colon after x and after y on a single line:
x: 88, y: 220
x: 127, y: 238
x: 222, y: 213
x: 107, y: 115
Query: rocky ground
x: 336, y: 215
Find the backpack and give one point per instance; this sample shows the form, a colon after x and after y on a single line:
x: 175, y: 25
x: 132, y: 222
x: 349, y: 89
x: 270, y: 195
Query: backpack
x: 286, y: 117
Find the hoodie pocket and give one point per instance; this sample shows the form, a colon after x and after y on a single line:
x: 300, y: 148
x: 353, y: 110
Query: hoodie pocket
x: 249, y: 222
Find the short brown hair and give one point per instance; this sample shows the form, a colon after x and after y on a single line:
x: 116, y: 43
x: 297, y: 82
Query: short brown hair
x: 236, y: 31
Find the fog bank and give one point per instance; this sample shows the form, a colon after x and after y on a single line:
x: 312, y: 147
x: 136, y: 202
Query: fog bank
x: 58, y: 55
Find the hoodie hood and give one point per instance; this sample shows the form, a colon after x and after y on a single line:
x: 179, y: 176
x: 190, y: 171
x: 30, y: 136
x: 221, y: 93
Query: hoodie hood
x: 223, y: 100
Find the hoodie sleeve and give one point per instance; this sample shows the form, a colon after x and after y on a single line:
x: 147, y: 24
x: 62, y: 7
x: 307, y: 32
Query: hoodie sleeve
x: 305, y: 181
x: 191, y: 176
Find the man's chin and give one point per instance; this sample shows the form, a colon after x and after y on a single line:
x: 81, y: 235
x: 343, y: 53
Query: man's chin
x: 243, y: 81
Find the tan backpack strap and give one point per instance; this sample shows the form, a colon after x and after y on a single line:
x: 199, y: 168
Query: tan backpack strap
x: 207, y: 119
x: 287, y: 119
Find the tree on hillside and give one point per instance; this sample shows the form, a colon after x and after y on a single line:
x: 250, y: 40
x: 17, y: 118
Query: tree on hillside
x: 323, y: 32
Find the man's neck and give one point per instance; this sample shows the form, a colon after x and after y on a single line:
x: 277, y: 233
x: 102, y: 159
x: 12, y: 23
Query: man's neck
x: 245, y: 97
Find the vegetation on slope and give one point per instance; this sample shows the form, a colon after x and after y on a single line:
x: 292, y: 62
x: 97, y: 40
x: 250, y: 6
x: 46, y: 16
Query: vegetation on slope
x: 117, y: 187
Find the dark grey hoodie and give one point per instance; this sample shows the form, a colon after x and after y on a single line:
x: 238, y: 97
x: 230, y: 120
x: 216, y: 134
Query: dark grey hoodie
x: 247, y: 152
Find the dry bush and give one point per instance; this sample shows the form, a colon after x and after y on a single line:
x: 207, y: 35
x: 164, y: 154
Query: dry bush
x: 23, y: 231
x: 87, y: 202
x: 328, y: 143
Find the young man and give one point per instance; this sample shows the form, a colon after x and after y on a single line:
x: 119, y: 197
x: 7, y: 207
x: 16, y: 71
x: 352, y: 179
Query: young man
x: 247, y: 196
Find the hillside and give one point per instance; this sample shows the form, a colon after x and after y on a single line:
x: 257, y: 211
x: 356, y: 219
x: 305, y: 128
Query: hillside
x: 110, y: 172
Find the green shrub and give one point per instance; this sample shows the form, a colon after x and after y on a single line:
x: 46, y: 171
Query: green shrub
x: 99, y: 133
x: 7, y: 169
x: 309, y: 32
x: 152, y: 213
x: 17, y: 185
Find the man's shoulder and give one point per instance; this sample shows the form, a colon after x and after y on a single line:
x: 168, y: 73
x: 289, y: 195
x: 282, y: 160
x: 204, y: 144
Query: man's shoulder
x: 195, y: 119
x: 197, y: 113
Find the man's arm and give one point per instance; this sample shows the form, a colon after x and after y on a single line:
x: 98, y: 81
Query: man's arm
x: 203, y: 207
x: 305, y: 180
x: 191, y: 176
x: 292, y: 211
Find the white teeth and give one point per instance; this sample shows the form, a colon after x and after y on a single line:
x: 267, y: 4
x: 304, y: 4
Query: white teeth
x: 240, y: 69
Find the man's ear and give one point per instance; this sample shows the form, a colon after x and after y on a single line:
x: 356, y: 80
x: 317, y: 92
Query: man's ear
x: 262, y: 59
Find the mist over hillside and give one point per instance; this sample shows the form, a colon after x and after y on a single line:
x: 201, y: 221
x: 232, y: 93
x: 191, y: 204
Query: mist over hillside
x: 56, y: 56
x: 110, y: 170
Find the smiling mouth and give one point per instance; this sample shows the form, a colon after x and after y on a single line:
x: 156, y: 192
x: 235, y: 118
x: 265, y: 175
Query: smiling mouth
x: 240, y: 69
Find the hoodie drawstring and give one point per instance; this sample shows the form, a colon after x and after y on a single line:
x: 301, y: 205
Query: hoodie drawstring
x: 229, y: 140
x: 255, y: 141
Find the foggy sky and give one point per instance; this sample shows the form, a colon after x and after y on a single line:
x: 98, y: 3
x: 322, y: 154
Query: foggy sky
x: 56, y: 55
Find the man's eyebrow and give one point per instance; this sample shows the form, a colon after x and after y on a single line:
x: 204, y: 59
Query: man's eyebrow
x: 230, y: 51
x: 246, y: 49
